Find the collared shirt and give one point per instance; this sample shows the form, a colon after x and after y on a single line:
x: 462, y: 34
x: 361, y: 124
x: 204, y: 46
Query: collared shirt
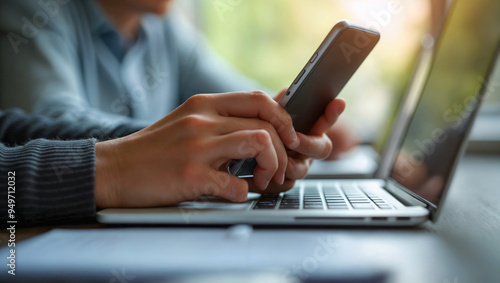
x: 65, y: 59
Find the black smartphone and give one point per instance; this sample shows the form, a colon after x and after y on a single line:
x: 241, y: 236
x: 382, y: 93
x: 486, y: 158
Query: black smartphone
x: 320, y: 81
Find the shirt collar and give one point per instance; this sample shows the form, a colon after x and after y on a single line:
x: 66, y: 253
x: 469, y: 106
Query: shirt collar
x: 100, y: 25
x: 98, y: 21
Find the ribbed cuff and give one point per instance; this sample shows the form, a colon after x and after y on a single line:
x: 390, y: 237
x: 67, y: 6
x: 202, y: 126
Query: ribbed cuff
x: 54, y: 180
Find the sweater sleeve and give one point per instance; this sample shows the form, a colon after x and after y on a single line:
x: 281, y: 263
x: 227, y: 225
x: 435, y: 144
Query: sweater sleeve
x: 49, y: 181
x: 17, y: 127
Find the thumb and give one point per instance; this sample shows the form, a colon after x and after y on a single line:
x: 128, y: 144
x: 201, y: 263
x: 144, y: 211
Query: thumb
x: 226, y: 186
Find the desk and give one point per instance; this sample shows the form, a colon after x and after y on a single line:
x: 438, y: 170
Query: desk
x: 463, y: 244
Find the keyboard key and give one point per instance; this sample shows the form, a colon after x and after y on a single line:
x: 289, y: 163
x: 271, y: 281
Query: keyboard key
x: 337, y: 207
x: 289, y: 201
x: 313, y: 206
x: 313, y: 203
x: 362, y: 206
x: 385, y: 207
x: 270, y: 197
x: 290, y: 206
x: 260, y: 206
x: 328, y: 197
x: 267, y: 202
x: 337, y: 204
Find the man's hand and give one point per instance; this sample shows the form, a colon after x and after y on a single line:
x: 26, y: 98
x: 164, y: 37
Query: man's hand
x: 315, y: 145
x: 183, y: 155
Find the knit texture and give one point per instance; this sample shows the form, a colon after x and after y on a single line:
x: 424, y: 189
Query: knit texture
x: 54, y: 179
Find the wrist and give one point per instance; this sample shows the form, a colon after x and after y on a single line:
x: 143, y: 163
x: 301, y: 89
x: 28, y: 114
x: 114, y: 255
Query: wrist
x: 106, y: 174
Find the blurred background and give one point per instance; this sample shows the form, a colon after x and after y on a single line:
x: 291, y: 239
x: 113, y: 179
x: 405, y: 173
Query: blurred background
x: 270, y: 41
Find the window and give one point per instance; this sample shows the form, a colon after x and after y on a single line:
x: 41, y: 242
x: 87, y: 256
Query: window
x: 270, y: 41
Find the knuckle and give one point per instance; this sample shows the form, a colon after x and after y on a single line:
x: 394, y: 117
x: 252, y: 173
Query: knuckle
x: 262, y: 137
x: 259, y: 94
x: 194, y: 122
x: 197, y: 100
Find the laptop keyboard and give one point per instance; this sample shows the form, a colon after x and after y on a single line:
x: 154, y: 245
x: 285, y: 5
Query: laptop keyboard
x: 328, y: 196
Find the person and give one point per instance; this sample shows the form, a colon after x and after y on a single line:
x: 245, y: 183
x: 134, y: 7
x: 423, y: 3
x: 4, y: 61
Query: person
x: 110, y: 62
x: 58, y: 171
x: 107, y: 64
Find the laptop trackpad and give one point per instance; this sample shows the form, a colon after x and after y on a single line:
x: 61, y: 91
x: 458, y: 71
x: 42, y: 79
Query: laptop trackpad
x: 209, y: 203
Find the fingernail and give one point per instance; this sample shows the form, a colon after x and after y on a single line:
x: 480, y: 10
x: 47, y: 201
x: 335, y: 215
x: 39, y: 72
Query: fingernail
x: 294, y: 134
x: 266, y: 184
x: 282, y: 179
x: 296, y: 141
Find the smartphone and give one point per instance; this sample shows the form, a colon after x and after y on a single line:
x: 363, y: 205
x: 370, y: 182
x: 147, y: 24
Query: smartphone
x: 320, y: 81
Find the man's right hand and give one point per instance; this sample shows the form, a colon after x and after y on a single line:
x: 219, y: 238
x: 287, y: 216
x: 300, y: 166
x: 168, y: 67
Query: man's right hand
x: 183, y: 156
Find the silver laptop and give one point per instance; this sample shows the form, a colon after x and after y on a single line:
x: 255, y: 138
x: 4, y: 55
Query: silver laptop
x: 420, y: 173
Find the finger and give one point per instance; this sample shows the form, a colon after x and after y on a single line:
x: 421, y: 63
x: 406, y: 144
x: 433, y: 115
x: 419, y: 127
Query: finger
x: 256, y: 104
x: 280, y: 95
x: 233, y: 124
x: 224, y: 185
x: 317, y: 147
x: 297, y: 168
x: 326, y: 121
x: 251, y: 144
x: 273, y: 188
x: 343, y: 138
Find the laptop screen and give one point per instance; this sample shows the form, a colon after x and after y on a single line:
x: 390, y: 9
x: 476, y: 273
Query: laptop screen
x: 465, y: 51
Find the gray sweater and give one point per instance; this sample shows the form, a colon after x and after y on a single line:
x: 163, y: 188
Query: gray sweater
x: 50, y: 166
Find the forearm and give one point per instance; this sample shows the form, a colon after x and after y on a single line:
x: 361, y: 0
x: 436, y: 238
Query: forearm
x: 53, y: 181
x: 17, y: 127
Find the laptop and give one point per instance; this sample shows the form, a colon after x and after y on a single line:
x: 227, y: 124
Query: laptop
x: 424, y: 161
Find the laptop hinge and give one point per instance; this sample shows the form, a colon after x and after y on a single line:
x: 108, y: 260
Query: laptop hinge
x: 403, y: 195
